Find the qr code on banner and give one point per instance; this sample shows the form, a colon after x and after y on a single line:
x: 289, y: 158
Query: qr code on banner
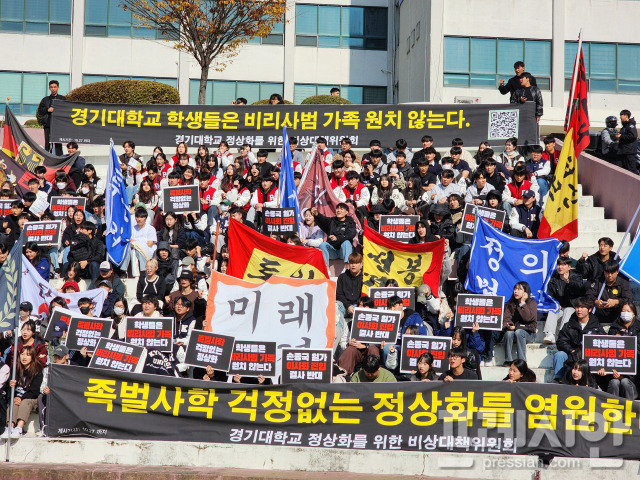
x: 503, y: 124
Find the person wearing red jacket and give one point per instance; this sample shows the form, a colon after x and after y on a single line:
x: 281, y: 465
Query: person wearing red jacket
x: 30, y: 338
x: 206, y: 192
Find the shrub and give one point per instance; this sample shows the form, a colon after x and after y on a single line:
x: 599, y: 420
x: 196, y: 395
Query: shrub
x: 137, y: 92
x: 265, y: 101
x: 325, y: 100
x: 33, y: 123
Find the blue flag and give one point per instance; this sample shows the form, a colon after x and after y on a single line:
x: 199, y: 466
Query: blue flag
x: 499, y: 261
x: 288, y: 190
x: 11, y: 286
x: 630, y: 265
x: 117, y: 213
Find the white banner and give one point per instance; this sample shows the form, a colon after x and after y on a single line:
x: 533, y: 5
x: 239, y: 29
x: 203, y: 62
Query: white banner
x: 37, y: 290
x: 289, y: 311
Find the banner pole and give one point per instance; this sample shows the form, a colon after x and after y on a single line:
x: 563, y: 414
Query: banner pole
x: 13, y: 389
x: 617, y: 255
x: 574, y: 79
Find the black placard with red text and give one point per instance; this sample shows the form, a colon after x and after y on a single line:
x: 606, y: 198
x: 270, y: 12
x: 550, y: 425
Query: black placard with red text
x: 181, y: 199
x: 307, y: 365
x: 58, y: 314
x: 495, y: 218
x: 279, y: 221
x: 485, y: 310
x: 611, y: 352
x: 252, y: 358
x: 206, y: 348
x: 43, y: 233
x: 401, y: 228
x: 415, y: 345
x: 86, y: 332
x: 380, y: 296
x: 375, y: 326
x: 115, y: 355
x: 60, y: 205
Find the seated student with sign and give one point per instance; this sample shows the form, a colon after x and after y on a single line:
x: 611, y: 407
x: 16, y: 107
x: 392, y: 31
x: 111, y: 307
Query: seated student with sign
x: 457, y: 358
x: 348, y: 293
x: 340, y: 230
x: 565, y: 285
x: 371, y: 371
x: 616, y: 292
x: 520, y: 322
x: 569, y: 343
x: 185, y: 322
x: 425, y: 371
x: 627, y: 324
x: 472, y: 341
x: 494, y: 200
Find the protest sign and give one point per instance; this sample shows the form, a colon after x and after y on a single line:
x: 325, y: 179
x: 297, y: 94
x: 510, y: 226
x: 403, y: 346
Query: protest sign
x: 495, y: 218
x: 415, y: 345
x: 280, y: 221
x: 253, y: 358
x: 152, y: 333
x: 5, y: 207
x: 611, y: 352
x: 60, y: 205
x: 39, y: 206
x: 58, y: 314
x: 86, y: 331
x: 375, y: 326
x: 485, y: 310
x: 206, y: 348
x: 401, y: 228
x: 380, y: 296
x: 115, y: 355
x: 181, y: 199
x: 306, y: 365
x: 43, y: 233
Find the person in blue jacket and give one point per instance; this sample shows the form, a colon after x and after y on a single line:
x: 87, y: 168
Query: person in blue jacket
x: 41, y: 264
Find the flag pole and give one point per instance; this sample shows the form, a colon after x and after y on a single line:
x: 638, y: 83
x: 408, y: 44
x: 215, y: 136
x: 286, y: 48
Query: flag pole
x: 13, y: 389
x: 617, y: 255
x: 574, y: 78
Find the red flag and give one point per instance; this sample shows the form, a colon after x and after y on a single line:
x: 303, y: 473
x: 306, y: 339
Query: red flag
x: 410, y: 265
x: 560, y: 219
x: 255, y: 258
x: 315, y: 191
x: 20, y: 156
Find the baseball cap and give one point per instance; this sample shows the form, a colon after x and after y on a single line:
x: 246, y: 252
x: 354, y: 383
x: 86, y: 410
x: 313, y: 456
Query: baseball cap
x: 188, y: 261
x: 106, y: 283
x: 61, y: 351
x: 105, y: 266
x: 26, y: 306
x: 186, y: 274
x: 528, y: 194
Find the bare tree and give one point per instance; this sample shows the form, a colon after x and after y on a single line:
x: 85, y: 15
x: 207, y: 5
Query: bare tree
x: 208, y: 29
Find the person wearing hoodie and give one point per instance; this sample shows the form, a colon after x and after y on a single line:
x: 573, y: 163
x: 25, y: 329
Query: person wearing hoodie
x: 627, y: 142
x: 525, y: 218
x: 569, y: 343
x: 494, y: 200
x: 167, y: 265
x: 441, y: 224
x: 87, y: 251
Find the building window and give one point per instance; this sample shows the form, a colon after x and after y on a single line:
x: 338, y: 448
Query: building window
x: 106, y: 18
x: 223, y: 92
x: 276, y: 37
x: 610, y: 67
x: 26, y: 89
x: 482, y: 62
x: 353, y: 93
x: 44, y: 17
x: 341, y: 27
x: 86, y: 79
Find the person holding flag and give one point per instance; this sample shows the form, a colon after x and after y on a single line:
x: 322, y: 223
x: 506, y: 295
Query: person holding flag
x: 287, y: 187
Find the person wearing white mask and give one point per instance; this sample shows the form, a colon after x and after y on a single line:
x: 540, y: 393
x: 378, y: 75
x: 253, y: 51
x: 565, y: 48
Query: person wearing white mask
x: 119, y: 316
x: 625, y: 326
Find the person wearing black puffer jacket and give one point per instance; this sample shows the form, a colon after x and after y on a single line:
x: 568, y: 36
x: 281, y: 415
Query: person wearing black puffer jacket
x: 565, y: 285
x: 627, y: 142
x: 528, y: 93
x: 440, y: 222
x: 340, y: 230
x: 569, y: 343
